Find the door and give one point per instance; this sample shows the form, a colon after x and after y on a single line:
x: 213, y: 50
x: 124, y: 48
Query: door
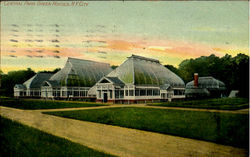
x: 105, y: 97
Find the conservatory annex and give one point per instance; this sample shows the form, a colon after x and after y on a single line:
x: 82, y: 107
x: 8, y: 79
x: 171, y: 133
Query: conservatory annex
x: 139, y: 79
x: 31, y: 87
x: 75, y: 79
x: 204, y: 87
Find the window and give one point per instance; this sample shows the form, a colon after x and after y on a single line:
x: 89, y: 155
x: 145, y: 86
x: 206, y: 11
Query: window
x: 64, y: 93
x: 54, y: 93
x: 58, y: 93
x: 179, y: 92
x: 104, y: 81
x: 69, y: 93
x: 156, y: 92
x: 137, y: 92
x: 142, y: 92
x: 121, y: 93
x: 116, y: 93
x: 162, y: 95
x: 149, y: 92
x: 76, y: 93
x: 110, y: 94
x: 99, y: 94
x: 81, y: 93
x: 131, y: 92
x: 126, y: 92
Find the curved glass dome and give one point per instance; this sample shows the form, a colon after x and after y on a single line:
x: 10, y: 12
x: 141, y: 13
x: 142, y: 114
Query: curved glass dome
x: 145, y: 71
x: 207, y: 82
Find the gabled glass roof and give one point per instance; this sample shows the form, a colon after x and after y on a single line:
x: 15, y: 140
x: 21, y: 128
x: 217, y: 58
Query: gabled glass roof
x: 79, y: 72
x: 37, y: 80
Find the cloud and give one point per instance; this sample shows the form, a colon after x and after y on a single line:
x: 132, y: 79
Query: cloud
x: 56, y: 56
x: 102, y: 52
x: 28, y: 40
x: 102, y: 57
x: 55, y: 41
x: 13, y: 40
x: 56, y: 51
x: 14, y: 25
x: 39, y: 51
x: 119, y: 45
x: 161, y: 48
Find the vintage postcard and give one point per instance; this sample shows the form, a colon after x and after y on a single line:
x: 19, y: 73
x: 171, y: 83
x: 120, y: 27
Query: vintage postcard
x: 124, y: 78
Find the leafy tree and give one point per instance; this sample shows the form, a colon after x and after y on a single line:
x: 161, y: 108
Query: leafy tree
x: 173, y: 69
x: 9, y: 80
x: 233, y: 71
x: 114, y: 67
x: 53, y: 71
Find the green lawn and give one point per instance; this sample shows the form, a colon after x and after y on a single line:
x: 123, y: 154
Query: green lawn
x: 23, y: 141
x: 223, y: 128
x: 32, y: 104
x: 219, y: 103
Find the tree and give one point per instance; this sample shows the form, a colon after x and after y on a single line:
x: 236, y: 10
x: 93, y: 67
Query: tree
x: 9, y: 80
x: 114, y: 67
x: 53, y: 71
x: 234, y: 72
x: 172, y: 68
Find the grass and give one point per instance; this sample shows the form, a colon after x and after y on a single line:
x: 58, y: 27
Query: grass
x: 20, y: 140
x: 219, y: 103
x: 32, y: 104
x: 222, y: 128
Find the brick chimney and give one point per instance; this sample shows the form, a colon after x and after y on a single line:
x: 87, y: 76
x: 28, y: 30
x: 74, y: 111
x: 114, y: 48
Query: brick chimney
x: 196, y: 79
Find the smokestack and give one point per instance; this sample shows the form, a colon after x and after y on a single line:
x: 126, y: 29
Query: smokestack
x: 196, y: 79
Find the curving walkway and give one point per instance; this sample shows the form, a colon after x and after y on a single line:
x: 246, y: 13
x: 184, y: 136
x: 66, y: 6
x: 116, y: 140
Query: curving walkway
x: 117, y: 140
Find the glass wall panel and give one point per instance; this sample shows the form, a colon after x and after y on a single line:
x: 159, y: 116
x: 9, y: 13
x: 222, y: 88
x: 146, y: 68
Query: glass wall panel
x: 121, y: 93
x: 110, y: 94
x: 131, y: 92
x: 142, y: 92
x: 137, y: 92
x: 126, y: 92
x: 149, y: 92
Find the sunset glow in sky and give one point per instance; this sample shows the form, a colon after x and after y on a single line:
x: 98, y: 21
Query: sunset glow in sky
x: 42, y: 37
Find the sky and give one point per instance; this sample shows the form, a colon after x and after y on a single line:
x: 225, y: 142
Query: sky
x: 41, y: 35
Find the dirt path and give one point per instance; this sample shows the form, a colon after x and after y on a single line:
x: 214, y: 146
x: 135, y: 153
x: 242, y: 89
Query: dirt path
x: 244, y: 111
x: 117, y: 140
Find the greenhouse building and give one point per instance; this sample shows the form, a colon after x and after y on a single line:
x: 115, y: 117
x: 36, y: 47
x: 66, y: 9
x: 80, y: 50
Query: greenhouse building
x: 204, y: 87
x: 75, y: 79
x: 139, y: 79
x: 31, y: 87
